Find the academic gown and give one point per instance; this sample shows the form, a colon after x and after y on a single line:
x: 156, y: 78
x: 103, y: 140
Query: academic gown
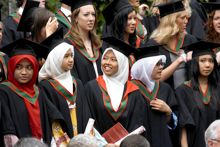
x: 160, y: 135
x: 63, y: 21
x: 188, y: 39
x: 131, y: 115
x: 10, y: 32
x: 15, y: 115
x: 196, y: 116
x: 57, y: 98
x: 83, y: 68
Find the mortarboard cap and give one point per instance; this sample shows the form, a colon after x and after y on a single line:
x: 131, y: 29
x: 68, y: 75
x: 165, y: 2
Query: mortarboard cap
x: 148, y: 51
x: 25, y: 47
x: 119, y: 45
x: 25, y: 21
x: 201, y: 48
x: 67, y: 2
x: 79, y: 3
x: 170, y: 7
x: 211, y: 6
x: 54, y: 39
x: 112, y: 9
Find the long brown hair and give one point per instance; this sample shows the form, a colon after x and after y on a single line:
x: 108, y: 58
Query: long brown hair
x: 212, y: 35
x: 76, y: 37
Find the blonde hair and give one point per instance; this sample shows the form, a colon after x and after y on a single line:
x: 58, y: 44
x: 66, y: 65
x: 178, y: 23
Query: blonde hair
x: 76, y: 37
x: 167, y: 28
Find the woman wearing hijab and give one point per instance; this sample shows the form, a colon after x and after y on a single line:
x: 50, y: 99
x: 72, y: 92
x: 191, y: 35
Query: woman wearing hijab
x: 111, y: 97
x: 25, y: 109
x: 199, y: 98
x: 146, y: 73
x: 63, y: 90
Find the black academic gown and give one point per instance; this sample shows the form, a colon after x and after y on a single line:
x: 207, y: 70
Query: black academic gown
x: 10, y: 32
x: 195, y: 115
x: 187, y: 40
x: 15, y: 115
x: 133, y: 116
x: 63, y: 21
x: 83, y: 68
x: 60, y: 102
x: 160, y: 134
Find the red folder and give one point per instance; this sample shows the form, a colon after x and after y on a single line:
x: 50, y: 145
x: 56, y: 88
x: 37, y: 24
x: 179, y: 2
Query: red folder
x: 115, y: 133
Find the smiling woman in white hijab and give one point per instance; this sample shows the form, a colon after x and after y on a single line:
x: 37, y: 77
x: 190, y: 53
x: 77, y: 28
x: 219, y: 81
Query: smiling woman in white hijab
x: 64, y: 91
x: 111, y: 97
x: 146, y: 73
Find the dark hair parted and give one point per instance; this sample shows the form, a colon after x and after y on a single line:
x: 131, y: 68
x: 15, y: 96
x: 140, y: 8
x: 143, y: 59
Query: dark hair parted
x: 212, y: 35
x: 212, y: 78
x: 40, y: 17
x: 119, y: 24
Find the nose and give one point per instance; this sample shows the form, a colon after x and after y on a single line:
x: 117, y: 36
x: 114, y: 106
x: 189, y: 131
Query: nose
x: 23, y: 71
x: 133, y: 21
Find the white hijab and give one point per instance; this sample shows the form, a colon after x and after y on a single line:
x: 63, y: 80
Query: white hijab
x: 52, y: 67
x: 115, y: 83
x: 143, y: 68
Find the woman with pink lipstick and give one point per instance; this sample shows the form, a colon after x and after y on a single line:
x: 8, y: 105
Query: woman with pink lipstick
x: 146, y: 73
x: 199, y: 98
x: 171, y: 34
x: 87, y: 44
x: 63, y: 90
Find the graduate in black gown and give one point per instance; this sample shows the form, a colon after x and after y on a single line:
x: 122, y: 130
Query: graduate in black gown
x: 25, y: 111
x: 10, y: 32
x: 146, y: 73
x: 82, y: 35
x: 63, y: 90
x: 199, y: 97
x: 63, y: 15
x: 111, y: 97
x: 171, y: 33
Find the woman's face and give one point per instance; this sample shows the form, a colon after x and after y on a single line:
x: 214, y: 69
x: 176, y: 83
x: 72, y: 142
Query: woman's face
x: 24, y: 71
x: 156, y: 73
x: 182, y: 21
x: 206, y: 65
x: 109, y: 63
x: 216, y: 21
x: 130, y: 27
x: 67, y: 63
x: 86, y: 18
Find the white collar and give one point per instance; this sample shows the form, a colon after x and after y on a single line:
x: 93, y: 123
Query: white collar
x: 20, y: 10
x: 66, y: 12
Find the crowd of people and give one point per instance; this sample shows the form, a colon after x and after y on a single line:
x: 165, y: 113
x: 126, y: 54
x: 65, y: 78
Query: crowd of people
x: 153, y: 67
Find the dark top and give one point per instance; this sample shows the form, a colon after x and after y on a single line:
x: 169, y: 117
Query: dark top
x: 196, y: 116
x: 131, y: 116
x: 15, y: 115
x: 158, y: 120
x: 10, y: 32
x: 60, y: 102
x: 83, y: 67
